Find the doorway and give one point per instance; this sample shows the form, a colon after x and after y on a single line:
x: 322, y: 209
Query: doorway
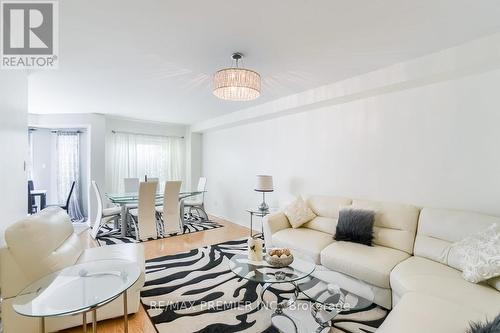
x: 57, y: 158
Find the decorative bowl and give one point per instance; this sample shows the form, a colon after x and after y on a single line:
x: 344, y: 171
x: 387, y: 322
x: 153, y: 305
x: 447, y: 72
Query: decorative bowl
x: 279, y: 262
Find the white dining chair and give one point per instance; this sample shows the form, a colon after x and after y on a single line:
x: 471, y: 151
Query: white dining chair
x: 197, y: 202
x: 131, y: 185
x: 104, y: 215
x: 153, y: 180
x: 144, y: 216
x: 169, y: 213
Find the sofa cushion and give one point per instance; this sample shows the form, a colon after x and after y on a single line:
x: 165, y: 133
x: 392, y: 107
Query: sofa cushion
x: 417, y: 274
x: 495, y: 283
x: 418, y: 313
x: 372, y: 264
x: 327, y: 206
x: 304, y: 243
x: 438, y: 228
x: 395, y: 224
x: 323, y: 224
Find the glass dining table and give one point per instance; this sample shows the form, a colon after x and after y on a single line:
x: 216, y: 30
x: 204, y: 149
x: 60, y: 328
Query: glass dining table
x: 125, y: 200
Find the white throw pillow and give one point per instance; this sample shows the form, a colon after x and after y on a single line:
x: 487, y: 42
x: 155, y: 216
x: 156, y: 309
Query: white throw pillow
x: 298, y: 213
x: 478, y: 255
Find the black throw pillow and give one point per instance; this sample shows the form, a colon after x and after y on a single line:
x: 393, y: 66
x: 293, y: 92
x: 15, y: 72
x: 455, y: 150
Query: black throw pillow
x: 355, y: 225
x: 487, y: 327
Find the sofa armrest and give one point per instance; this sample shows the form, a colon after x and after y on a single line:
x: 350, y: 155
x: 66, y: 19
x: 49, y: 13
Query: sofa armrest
x: 273, y: 223
x: 12, y: 278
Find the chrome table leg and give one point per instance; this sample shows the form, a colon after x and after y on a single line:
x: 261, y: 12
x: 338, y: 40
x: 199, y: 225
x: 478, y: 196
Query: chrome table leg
x: 125, y: 312
x: 94, y: 321
x: 84, y: 317
x: 124, y: 220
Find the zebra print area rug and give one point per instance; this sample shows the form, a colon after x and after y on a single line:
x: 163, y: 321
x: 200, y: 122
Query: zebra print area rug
x: 192, y: 224
x: 196, y: 291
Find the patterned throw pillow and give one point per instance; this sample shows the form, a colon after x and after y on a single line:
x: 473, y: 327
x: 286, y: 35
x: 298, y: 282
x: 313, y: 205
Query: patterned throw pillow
x: 478, y: 255
x: 298, y: 213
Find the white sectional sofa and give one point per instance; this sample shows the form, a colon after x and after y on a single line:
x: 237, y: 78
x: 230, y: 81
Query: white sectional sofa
x: 407, y: 268
x: 44, y: 243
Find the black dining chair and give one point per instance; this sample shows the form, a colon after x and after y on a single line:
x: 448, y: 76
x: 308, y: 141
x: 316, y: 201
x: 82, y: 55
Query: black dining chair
x: 66, y: 205
x: 32, y: 207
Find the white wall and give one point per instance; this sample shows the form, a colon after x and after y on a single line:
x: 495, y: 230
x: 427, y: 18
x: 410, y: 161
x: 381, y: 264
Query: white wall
x: 434, y: 144
x: 193, y: 158
x: 13, y: 148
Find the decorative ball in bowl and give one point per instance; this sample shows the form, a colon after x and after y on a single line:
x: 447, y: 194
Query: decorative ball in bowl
x: 279, y: 257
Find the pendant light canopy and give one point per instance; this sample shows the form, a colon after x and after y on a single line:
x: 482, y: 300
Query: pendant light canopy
x: 235, y: 83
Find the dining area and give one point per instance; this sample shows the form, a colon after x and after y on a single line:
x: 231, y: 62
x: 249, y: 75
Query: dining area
x: 148, y: 209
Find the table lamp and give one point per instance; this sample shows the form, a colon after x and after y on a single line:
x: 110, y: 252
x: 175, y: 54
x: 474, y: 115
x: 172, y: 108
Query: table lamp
x: 264, y: 184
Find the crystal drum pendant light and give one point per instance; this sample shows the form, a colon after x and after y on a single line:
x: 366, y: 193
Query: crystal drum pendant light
x: 235, y: 83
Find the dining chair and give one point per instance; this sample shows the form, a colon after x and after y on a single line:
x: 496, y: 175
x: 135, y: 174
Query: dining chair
x: 152, y: 179
x: 169, y: 213
x: 131, y: 185
x: 144, y: 216
x: 104, y: 215
x: 65, y: 206
x: 32, y: 207
x: 198, y: 202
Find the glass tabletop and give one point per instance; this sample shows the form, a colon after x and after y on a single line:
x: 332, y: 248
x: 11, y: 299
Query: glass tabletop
x: 260, y: 213
x: 133, y: 197
x: 77, y: 288
x: 262, y: 272
x: 333, y: 296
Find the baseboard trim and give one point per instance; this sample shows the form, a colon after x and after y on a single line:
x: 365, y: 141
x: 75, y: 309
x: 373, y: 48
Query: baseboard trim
x: 243, y: 224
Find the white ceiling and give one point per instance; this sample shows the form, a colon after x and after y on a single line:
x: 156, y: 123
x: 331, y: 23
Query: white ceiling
x: 154, y: 59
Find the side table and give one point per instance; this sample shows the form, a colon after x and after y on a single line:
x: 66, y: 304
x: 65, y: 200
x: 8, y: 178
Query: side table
x: 258, y: 213
x: 78, y: 289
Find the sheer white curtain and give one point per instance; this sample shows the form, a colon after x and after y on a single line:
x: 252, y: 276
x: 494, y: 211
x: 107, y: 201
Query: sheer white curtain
x: 136, y: 155
x: 68, y: 170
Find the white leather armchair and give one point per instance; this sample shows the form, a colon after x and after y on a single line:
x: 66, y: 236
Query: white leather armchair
x: 44, y: 243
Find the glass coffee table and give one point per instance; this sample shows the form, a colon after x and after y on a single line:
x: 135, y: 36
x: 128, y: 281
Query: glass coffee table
x: 78, y: 289
x: 327, y: 299
x: 262, y: 272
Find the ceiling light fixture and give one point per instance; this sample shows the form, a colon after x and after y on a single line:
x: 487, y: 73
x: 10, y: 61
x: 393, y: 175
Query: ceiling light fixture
x: 235, y: 83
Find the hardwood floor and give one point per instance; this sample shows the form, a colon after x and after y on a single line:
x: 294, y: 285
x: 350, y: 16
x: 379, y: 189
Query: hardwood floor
x: 139, y: 322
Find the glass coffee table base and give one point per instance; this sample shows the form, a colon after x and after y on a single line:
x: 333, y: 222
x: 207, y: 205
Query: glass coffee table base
x: 318, y: 316
x: 298, y: 318
x: 278, y: 312
x: 322, y: 317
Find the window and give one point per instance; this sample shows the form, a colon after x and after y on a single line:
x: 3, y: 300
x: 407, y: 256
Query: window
x: 137, y: 155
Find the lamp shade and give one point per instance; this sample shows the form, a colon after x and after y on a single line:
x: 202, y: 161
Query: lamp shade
x: 264, y: 183
x: 237, y: 84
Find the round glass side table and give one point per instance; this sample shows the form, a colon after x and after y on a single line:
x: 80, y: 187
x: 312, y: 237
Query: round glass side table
x: 261, y: 214
x: 77, y: 289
